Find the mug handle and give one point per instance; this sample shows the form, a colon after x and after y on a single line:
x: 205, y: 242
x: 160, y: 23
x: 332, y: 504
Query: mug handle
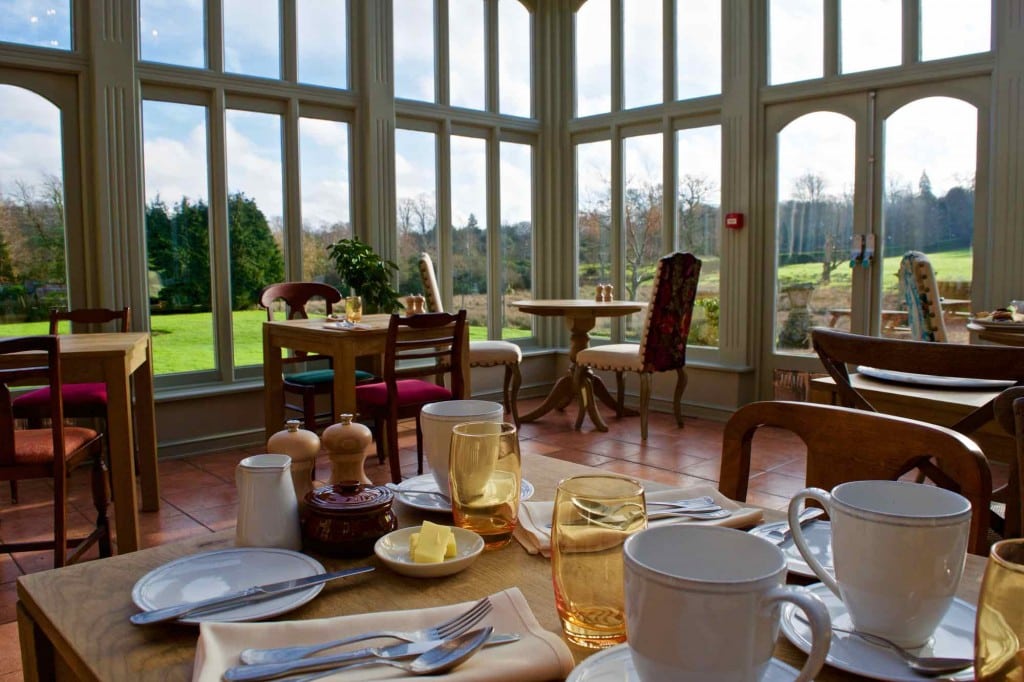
x: 820, y: 622
x: 825, y: 499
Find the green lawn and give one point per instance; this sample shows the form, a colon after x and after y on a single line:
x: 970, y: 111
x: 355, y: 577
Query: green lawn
x: 948, y: 265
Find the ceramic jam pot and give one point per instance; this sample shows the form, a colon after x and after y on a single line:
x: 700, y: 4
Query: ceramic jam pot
x: 347, y: 518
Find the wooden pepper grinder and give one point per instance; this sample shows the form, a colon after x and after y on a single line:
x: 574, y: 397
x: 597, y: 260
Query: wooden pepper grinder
x: 302, y: 446
x: 346, y: 444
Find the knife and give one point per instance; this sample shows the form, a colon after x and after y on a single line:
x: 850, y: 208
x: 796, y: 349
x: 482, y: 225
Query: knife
x: 267, y: 671
x: 255, y: 593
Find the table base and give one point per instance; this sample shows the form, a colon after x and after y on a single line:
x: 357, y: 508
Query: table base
x: 564, y: 392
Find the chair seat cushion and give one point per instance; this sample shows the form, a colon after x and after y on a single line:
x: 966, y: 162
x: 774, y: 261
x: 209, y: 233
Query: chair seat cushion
x: 410, y: 392
x: 93, y: 395
x: 493, y: 353
x: 617, y: 357
x: 322, y: 376
x: 35, y: 446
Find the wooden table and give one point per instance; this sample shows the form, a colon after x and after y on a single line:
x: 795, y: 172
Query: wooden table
x: 115, y: 359
x: 580, y: 316
x: 343, y: 346
x: 67, y: 625
x: 1004, y: 337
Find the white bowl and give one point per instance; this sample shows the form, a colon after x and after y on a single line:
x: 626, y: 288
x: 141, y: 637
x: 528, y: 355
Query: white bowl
x: 393, y: 550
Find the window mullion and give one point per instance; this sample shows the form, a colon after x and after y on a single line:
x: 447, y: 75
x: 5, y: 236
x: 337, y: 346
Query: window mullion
x: 289, y: 40
x: 220, y: 266
x: 215, y: 36
x: 618, y: 58
x: 493, y: 217
x: 442, y: 60
x: 443, y: 191
x: 291, y: 201
x: 492, y: 36
x: 911, y: 32
x: 833, y: 35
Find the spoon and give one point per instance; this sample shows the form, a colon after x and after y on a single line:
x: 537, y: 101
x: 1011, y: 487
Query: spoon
x: 435, y: 493
x: 442, y: 658
x: 595, y: 508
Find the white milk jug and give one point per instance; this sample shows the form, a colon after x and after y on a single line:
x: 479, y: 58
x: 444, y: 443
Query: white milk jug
x: 268, y: 511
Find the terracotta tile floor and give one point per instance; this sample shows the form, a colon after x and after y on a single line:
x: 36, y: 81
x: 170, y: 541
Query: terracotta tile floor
x: 198, y: 493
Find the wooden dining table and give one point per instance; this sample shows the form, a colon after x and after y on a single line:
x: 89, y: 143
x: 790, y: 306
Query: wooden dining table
x: 73, y: 622
x: 580, y: 317
x: 1003, y: 337
x: 116, y: 359
x: 343, y: 346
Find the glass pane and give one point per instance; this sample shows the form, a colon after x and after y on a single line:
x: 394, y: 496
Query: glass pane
x: 324, y: 177
x: 42, y: 23
x: 813, y: 227
x: 954, y: 27
x: 641, y: 161
x: 416, y: 187
x: 255, y: 223
x: 172, y: 32
x: 469, y: 231
x: 252, y: 38
x: 466, y: 53
x: 514, y: 58
x: 871, y: 34
x: 698, y: 48
x: 178, y: 236
x: 516, y: 237
x: 33, y: 269
x: 593, y: 58
x: 594, y: 221
x: 929, y: 204
x: 642, y: 50
x: 797, y: 38
x: 698, y: 223
x: 414, y: 49
x: 322, y: 38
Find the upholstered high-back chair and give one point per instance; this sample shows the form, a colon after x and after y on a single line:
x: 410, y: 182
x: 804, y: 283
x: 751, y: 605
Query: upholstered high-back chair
x: 662, y: 346
x: 481, y: 353
x: 921, y: 295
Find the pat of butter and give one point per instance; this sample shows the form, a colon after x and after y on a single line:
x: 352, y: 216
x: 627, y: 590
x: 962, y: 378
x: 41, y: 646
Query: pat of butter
x: 433, y: 544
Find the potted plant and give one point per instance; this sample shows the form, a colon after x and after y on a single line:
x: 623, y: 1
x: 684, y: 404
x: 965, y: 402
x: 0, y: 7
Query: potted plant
x: 365, y: 273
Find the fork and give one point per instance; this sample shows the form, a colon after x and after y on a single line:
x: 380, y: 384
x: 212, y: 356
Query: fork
x: 449, y: 628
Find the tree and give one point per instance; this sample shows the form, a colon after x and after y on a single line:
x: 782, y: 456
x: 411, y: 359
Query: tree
x: 643, y: 233
x: 255, y: 257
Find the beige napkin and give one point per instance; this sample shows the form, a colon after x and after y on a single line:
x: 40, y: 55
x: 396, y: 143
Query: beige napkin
x: 534, y: 529
x: 539, y: 655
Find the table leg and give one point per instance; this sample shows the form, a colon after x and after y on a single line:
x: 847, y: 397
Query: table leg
x: 602, y: 393
x: 122, y: 454
x: 344, y: 382
x: 145, y: 433
x: 562, y: 393
x: 273, y: 386
x: 37, y: 652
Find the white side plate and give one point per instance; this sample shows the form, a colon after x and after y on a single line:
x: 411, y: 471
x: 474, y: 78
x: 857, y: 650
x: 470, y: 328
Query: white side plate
x: 435, y: 503
x: 616, y: 665
x: 819, y: 538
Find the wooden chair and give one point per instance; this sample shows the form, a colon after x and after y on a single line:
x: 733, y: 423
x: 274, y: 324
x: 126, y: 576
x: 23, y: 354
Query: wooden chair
x: 50, y: 452
x: 839, y: 351
x: 1009, y: 412
x: 844, y: 444
x: 662, y: 345
x: 921, y: 294
x: 405, y: 389
x: 306, y: 384
x: 481, y: 353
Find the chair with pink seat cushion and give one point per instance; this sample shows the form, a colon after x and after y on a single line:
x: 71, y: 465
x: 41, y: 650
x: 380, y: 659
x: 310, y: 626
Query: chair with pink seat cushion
x: 408, y: 362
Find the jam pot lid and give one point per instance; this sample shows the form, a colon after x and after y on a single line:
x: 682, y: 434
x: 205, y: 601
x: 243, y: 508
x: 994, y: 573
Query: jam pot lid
x: 350, y: 497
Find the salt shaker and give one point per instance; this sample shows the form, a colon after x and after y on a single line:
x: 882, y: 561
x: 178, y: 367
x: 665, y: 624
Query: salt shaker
x: 302, y: 446
x: 608, y: 293
x: 599, y: 293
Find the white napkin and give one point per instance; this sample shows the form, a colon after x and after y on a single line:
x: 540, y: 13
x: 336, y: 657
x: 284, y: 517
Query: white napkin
x: 540, y: 655
x: 534, y: 529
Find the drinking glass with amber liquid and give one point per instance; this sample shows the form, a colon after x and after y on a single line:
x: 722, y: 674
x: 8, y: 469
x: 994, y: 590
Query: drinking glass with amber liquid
x: 484, y: 475
x: 998, y: 654
x: 354, y: 309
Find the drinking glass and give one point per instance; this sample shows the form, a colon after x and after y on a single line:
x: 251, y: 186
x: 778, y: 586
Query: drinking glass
x: 586, y: 555
x: 1000, y: 624
x: 354, y: 308
x: 484, y: 475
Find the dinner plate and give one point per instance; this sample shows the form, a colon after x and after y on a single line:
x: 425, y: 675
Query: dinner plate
x: 616, y: 665
x: 953, y: 637
x: 819, y: 539
x: 930, y: 379
x: 435, y: 503
x: 211, y: 574
x: 996, y: 325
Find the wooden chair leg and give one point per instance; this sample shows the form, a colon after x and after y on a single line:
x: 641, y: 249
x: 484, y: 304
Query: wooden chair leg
x: 645, y: 399
x: 419, y: 446
x: 394, y: 458
x: 99, y: 501
x: 60, y: 517
x: 677, y: 398
x: 579, y: 378
x: 620, y: 395
x: 309, y: 408
x: 513, y: 375
x: 14, y: 492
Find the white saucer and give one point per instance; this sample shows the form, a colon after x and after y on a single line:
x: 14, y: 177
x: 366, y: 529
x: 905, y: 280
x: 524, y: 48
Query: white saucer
x: 892, y: 376
x: 819, y: 538
x: 211, y: 574
x: 953, y: 637
x: 616, y: 665
x: 435, y: 503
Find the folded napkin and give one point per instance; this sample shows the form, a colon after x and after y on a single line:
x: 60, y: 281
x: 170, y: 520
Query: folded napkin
x: 539, y: 655
x: 534, y: 529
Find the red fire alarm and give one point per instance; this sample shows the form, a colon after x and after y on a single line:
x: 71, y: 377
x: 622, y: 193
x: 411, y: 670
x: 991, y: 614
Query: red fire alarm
x: 734, y: 221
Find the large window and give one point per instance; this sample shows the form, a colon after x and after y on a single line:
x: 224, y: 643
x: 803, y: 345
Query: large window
x: 41, y: 23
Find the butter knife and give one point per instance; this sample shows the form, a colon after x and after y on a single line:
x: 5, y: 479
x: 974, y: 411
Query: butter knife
x: 255, y: 593
x: 267, y: 671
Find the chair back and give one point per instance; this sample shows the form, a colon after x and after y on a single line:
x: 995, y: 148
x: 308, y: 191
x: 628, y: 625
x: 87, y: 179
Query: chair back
x: 45, y: 370
x: 431, y: 291
x: 91, y: 319
x: 295, y: 296
x: 1009, y: 411
x: 438, y: 349
x: 844, y: 444
x: 921, y: 294
x: 670, y: 312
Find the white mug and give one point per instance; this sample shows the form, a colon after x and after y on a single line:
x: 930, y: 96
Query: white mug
x: 702, y: 603
x: 436, y: 422
x: 898, y: 549
x: 268, y: 511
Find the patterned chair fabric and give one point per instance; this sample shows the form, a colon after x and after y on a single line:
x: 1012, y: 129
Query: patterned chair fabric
x: 481, y: 353
x: 662, y: 344
x: 921, y: 294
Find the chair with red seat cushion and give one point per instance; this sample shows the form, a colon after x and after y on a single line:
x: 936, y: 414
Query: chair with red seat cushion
x: 50, y: 452
x: 433, y: 346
